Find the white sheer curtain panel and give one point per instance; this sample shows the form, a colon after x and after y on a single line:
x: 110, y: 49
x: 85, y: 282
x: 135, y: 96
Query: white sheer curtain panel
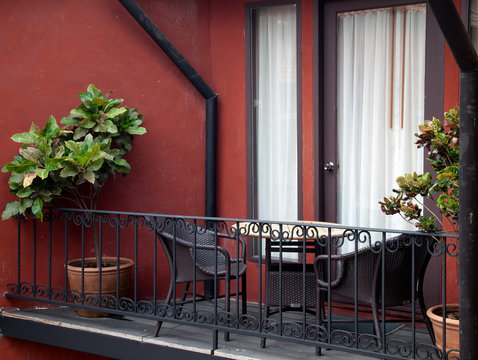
x: 380, y: 103
x: 276, y: 112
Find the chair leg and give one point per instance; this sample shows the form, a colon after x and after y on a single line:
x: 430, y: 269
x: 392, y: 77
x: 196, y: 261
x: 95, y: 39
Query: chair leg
x: 266, y: 314
x: 244, y: 294
x: 320, y: 315
x: 423, y: 309
x: 185, y: 291
x: 168, y: 300
x: 376, y: 321
x: 228, y: 305
x: 158, y: 327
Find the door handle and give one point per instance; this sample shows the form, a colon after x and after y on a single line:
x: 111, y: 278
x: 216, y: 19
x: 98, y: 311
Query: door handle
x: 329, y: 166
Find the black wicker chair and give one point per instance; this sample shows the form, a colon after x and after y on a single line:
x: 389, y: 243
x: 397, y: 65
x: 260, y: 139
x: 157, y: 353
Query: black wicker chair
x: 399, y: 254
x: 284, y: 289
x: 194, y: 254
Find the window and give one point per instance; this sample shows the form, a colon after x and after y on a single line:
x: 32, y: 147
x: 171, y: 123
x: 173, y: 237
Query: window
x: 273, y: 119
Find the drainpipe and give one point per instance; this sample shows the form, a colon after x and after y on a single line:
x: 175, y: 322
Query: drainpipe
x: 211, y: 108
x: 196, y: 80
x: 465, y: 56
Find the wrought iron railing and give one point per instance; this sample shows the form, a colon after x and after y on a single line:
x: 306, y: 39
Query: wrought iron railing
x: 304, y: 268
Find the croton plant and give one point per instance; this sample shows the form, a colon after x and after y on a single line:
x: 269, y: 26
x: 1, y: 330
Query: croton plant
x: 72, y: 161
x: 441, y: 142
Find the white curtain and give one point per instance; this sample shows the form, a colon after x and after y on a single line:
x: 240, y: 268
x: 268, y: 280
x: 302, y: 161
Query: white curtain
x: 474, y: 22
x: 276, y: 112
x: 380, y: 103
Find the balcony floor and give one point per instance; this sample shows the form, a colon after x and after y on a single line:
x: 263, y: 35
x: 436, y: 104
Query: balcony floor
x: 174, y: 339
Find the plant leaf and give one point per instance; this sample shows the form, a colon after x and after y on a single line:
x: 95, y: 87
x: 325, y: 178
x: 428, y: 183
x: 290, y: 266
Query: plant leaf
x: 32, y: 153
x: 24, y: 204
x: 51, y: 128
x: 114, y: 112
x: 37, y: 207
x: 136, y: 130
x: 79, y: 112
x: 110, y: 127
x: 28, y: 178
x: 42, y: 173
x: 25, y: 138
x: 96, y: 92
x: 69, y: 171
x: 95, y: 165
x: 10, y: 210
x: 90, y: 177
x: 25, y: 192
x: 79, y: 133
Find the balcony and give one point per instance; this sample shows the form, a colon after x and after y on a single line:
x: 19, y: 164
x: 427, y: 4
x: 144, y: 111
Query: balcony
x: 312, y: 288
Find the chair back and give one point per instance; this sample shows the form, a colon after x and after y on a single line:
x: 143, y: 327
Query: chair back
x: 398, y: 256
x: 180, y: 240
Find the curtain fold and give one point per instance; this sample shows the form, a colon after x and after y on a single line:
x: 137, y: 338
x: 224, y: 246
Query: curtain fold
x: 380, y: 103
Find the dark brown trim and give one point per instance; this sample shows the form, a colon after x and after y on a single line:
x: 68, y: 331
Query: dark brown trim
x: 318, y: 107
x: 250, y: 131
x: 250, y: 126
x: 300, y: 157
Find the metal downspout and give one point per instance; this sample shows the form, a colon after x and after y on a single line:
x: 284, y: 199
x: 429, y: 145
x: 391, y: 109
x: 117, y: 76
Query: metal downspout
x: 465, y: 56
x: 196, y: 80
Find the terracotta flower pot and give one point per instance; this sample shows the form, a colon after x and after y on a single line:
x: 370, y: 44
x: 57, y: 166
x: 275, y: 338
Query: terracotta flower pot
x: 91, y: 280
x: 452, y: 326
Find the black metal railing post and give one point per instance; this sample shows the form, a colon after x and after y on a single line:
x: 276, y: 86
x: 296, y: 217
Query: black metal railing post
x: 468, y: 228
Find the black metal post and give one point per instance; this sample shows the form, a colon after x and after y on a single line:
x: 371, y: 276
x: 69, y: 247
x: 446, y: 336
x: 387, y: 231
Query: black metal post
x: 211, y: 151
x: 468, y: 242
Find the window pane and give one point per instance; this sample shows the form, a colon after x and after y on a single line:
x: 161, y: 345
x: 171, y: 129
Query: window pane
x: 275, y: 112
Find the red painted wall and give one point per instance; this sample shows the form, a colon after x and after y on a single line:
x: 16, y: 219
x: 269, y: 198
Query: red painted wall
x: 51, y: 51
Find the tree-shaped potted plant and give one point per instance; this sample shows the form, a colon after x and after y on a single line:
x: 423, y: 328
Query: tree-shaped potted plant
x: 74, y: 162
x: 442, y: 143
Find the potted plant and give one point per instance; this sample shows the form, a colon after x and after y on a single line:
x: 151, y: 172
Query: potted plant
x: 442, y: 144
x: 74, y: 162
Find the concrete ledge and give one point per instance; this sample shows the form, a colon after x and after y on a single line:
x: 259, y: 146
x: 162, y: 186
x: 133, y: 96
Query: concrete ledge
x: 114, y: 337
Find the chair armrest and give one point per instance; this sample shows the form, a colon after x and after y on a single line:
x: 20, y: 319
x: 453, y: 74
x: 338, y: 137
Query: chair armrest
x: 191, y: 246
x: 241, y: 240
x: 336, y: 258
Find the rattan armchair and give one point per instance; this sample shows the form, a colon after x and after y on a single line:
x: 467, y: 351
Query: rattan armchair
x: 365, y: 283
x: 194, y: 254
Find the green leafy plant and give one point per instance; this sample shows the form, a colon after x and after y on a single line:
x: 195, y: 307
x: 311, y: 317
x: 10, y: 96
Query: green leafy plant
x: 442, y: 145
x: 75, y: 161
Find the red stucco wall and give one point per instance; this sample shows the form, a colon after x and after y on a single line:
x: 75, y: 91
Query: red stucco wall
x: 51, y: 51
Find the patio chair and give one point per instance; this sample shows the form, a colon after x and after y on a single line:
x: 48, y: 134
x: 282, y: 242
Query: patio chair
x: 284, y: 279
x: 194, y: 254
x: 397, y: 276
